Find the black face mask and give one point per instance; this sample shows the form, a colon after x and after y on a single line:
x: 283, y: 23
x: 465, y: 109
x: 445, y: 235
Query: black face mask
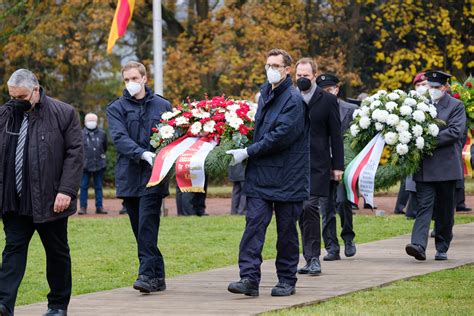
x: 20, y: 105
x: 304, y: 84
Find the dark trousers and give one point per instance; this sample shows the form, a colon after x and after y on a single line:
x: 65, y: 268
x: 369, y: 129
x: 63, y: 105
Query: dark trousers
x: 239, y: 200
x: 412, y: 205
x: 344, y: 208
x: 460, y: 198
x: 328, y: 212
x: 97, y: 177
x: 426, y: 193
x: 144, y: 213
x: 53, y: 235
x: 191, y: 203
x: 402, y: 198
x: 259, y: 215
x: 310, y: 226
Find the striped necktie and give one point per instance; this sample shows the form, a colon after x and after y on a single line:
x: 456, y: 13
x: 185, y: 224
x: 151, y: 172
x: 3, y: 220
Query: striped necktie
x: 20, y: 146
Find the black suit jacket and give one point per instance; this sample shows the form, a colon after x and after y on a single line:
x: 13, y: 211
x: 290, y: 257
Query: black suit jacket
x: 326, y: 146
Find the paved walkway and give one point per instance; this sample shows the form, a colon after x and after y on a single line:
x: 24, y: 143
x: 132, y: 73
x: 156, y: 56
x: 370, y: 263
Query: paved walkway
x: 376, y: 263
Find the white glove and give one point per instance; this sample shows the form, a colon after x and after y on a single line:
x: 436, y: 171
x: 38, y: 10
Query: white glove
x: 148, y: 157
x: 239, y: 155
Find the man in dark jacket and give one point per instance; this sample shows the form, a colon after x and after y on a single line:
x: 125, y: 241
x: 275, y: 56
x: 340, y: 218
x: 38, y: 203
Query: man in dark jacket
x: 438, y: 173
x: 95, y: 147
x: 40, y: 170
x: 327, y: 162
x: 330, y: 83
x: 131, y: 119
x: 277, y: 178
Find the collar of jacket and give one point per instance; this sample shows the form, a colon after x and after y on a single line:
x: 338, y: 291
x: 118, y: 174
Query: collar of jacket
x: 444, y: 101
x: 268, y: 94
x: 316, y: 95
x: 148, y: 95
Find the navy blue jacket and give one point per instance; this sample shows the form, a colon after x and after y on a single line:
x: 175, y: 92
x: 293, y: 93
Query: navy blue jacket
x: 278, y: 165
x: 130, y: 124
x: 95, y: 147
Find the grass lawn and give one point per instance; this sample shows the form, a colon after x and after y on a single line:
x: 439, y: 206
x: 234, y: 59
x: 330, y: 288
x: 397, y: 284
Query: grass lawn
x: 448, y: 292
x: 104, y: 252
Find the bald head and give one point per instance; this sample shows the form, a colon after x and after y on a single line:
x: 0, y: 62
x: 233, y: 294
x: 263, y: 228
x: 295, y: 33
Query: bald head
x: 90, y: 121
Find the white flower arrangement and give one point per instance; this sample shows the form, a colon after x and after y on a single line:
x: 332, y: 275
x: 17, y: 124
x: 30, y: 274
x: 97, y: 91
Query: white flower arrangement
x: 166, y: 131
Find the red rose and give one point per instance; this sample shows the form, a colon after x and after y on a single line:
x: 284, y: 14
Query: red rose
x: 457, y: 96
x: 244, y: 130
x: 172, y: 122
x: 204, y: 120
x: 469, y: 84
x: 218, y: 117
x: 187, y: 114
x: 154, y: 129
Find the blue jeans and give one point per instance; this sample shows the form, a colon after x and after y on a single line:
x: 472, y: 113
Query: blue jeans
x: 144, y: 213
x: 97, y: 176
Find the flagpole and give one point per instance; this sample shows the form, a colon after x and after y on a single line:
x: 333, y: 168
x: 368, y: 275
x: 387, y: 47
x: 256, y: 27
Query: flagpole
x: 157, y: 47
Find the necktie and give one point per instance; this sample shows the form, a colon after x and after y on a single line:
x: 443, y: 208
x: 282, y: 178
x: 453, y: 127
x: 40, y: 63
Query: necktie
x: 20, y: 146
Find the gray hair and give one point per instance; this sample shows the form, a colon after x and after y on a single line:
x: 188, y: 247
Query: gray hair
x: 23, y: 78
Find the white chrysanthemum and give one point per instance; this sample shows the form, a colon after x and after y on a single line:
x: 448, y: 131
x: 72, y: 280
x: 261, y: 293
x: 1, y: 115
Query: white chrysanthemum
x: 402, y: 126
x: 167, y: 115
x: 364, y: 122
x: 417, y: 130
x: 433, y: 111
x: 166, y: 131
x: 433, y: 129
x: 400, y: 92
x: 381, y: 92
x: 420, y: 143
x: 419, y: 116
x: 375, y: 104
x: 233, y: 107
x: 251, y: 114
x: 354, y: 130
x: 391, y: 138
x: 413, y: 94
x: 209, y: 126
x: 378, y: 126
x: 229, y: 116
x: 364, y: 110
x: 405, y: 110
x: 236, y: 122
x: 422, y: 106
x: 409, y: 102
x: 393, y: 96
x: 182, y: 121
x: 356, y: 113
x: 402, y: 149
x: 200, y: 114
x: 404, y: 137
x: 196, y: 128
x: 393, y: 119
x: 390, y: 106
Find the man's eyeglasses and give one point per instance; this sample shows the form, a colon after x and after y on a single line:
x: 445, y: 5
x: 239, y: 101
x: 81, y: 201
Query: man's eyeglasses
x: 274, y: 66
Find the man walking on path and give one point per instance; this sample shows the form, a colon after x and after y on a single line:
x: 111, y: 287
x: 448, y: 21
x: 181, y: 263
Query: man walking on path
x: 131, y: 119
x: 277, y: 178
x: 40, y: 171
x: 438, y: 173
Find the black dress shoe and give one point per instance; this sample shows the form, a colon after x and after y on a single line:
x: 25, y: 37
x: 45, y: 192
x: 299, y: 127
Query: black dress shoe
x: 304, y: 270
x: 146, y: 284
x: 82, y: 211
x: 415, y: 251
x: 350, y: 249
x: 367, y: 206
x: 55, y: 312
x: 100, y: 210
x: 463, y: 209
x: 433, y: 234
x: 332, y: 257
x: 123, y: 211
x: 314, y: 266
x: 283, y: 289
x: 244, y: 286
x: 441, y: 255
x: 397, y: 212
x: 4, y: 310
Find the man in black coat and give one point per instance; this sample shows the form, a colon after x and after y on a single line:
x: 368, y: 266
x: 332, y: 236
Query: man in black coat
x: 276, y: 179
x: 326, y: 162
x: 330, y: 83
x: 438, y: 173
x: 40, y: 171
x: 95, y: 147
x: 131, y: 119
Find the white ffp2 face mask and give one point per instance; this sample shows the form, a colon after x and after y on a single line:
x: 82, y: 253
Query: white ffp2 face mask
x: 133, y: 88
x: 435, y: 94
x: 273, y: 76
x: 421, y: 90
x: 91, y: 124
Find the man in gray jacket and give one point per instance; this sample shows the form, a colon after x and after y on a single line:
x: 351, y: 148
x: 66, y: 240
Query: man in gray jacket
x: 437, y: 176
